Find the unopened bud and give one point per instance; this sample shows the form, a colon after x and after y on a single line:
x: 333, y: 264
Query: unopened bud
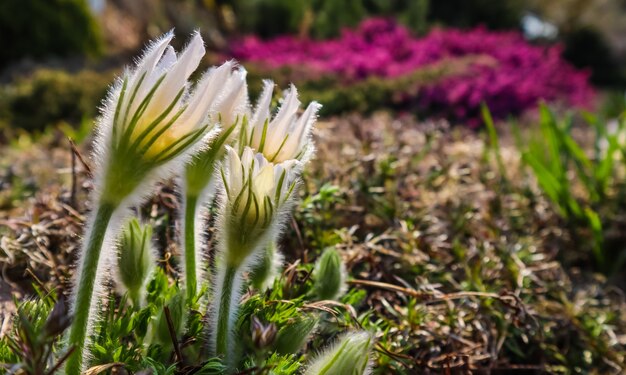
x: 294, y: 335
x: 264, y: 272
x: 136, y: 260
x: 350, y: 355
x: 263, y: 335
x: 58, y: 320
x: 329, y: 275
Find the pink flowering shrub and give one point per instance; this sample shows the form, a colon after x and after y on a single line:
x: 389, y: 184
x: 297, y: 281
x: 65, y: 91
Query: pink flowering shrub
x: 516, y: 78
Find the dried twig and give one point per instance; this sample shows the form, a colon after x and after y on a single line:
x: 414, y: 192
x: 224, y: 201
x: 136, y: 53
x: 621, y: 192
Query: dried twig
x: 170, y: 327
x: 61, y: 361
x: 80, y: 158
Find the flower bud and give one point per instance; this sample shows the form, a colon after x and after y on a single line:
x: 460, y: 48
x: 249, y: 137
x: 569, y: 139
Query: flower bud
x: 350, y: 355
x: 266, y: 269
x: 263, y: 335
x: 136, y: 259
x: 329, y: 275
x: 294, y: 335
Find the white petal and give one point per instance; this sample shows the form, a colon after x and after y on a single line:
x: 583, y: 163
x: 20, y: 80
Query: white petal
x: 262, y: 110
x: 234, y: 170
x: 290, y: 175
x: 300, y: 133
x: 283, y: 122
x: 152, y: 55
x: 261, y: 114
x: 260, y: 160
x: 145, y: 68
x: 264, y: 181
x: 214, y: 87
x: 288, y: 108
x: 204, y: 95
x: 167, y: 61
x: 247, y: 158
x: 177, y: 76
x: 305, y: 122
x: 278, y: 171
x: 234, y: 102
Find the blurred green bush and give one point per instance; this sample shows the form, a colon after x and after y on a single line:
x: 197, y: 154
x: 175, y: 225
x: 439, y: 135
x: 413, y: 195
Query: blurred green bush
x: 326, y: 18
x: 321, y: 18
x: 503, y: 14
x: 40, y: 28
x: 52, y: 96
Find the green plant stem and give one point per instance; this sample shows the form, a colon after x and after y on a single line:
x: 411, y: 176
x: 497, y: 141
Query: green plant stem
x: 190, y: 247
x: 224, y: 312
x: 85, y: 286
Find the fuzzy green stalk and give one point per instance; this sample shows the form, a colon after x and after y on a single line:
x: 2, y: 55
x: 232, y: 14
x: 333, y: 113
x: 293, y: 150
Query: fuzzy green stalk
x: 116, y: 187
x: 225, y: 311
x: 198, y: 175
x: 84, y: 293
x: 241, y: 242
x: 191, y: 279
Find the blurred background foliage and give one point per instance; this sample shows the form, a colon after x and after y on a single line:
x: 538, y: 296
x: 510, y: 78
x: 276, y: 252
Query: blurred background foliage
x: 589, y: 29
x: 57, y: 96
x: 321, y: 18
x: 40, y: 29
x: 63, y: 38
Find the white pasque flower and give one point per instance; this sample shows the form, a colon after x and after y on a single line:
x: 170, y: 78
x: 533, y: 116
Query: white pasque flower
x: 229, y: 108
x: 286, y: 136
x: 150, y: 117
x: 256, y: 196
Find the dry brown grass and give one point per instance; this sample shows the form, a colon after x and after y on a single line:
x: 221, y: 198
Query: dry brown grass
x: 463, y: 267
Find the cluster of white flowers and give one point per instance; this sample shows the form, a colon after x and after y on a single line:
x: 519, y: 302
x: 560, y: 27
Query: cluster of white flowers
x: 153, y: 125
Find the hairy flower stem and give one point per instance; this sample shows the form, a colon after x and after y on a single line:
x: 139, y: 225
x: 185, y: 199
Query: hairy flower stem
x: 225, y: 311
x: 191, y: 278
x: 84, y: 289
